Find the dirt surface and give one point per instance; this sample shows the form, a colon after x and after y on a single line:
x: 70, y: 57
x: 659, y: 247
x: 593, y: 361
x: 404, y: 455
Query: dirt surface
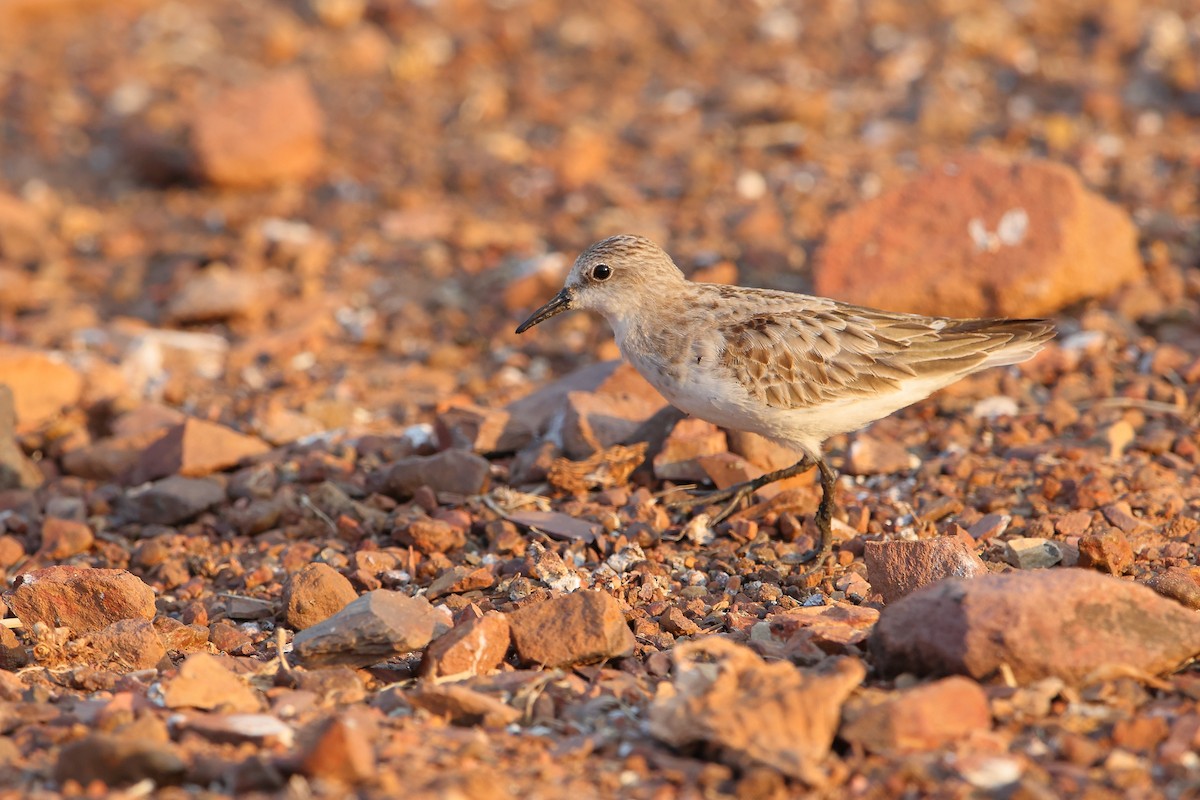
x: 288, y: 509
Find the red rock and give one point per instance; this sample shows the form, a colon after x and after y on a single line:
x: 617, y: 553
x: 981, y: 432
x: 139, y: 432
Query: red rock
x: 1121, y: 515
x: 373, y: 628
x: 760, y: 451
x: 1180, y: 584
x: 482, y: 430
x: 203, y: 682
x: 124, y: 646
x: 227, y: 637
x: 578, y: 628
x: 63, y: 538
x: 314, y: 594
x: 42, y: 385
x: 431, y: 535
x: 474, y: 647
x: 1108, y: 552
x: 750, y: 712
x: 459, y: 579
x: 727, y: 469
x: 219, y: 292
x: 809, y: 632
x: 11, y: 551
x: 895, y: 569
x: 79, y: 598
x: 115, y: 760
x: 17, y: 471
x: 870, y: 456
x: 340, y: 751
x: 1065, y: 623
x: 594, y: 421
x: 922, y: 718
x: 23, y: 235
x: 980, y: 237
x: 194, y: 449
x: 463, y: 706
x: 452, y: 471
x: 690, y: 439
x: 259, y: 134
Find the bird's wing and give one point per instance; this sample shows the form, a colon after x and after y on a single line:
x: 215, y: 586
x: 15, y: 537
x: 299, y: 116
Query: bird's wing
x: 800, y: 357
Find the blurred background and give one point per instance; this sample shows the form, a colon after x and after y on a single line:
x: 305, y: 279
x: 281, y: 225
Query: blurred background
x: 310, y: 214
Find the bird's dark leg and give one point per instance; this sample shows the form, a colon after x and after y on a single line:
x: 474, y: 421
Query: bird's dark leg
x: 735, y: 494
x: 824, y: 518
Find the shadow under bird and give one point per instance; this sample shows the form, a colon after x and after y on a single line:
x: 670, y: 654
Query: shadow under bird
x: 793, y: 368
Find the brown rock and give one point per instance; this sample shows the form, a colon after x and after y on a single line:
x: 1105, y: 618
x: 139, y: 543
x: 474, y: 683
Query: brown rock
x: 1108, y: 552
x: 920, y: 719
x: 124, y: 646
x: 17, y: 471
x: 458, y: 579
x: 373, y: 628
x: 727, y: 469
x: 203, y: 682
x: 195, y: 448
x: 1121, y: 515
x: 980, y: 237
x: 340, y: 751
x: 219, y: 292
x: 42, y: 385
x: 170, y: 501
x: 1066, y: 623
x: 453, y: 471
x: 577, y: 628
x: 870, y: 456
x: 810, y: 632
x: 474, y: 647
x: 1180, y: 584
x: 114, y: 760
x: 463, y: 706
x: 690, y: 439
x: 895, y: 569
x: 594, y: 421
x: 63, y: 538
x: 314, y: 594
x: 534, y: 411
x: 431, y: 535
x: 750, y: 712
x: 23, y: 236
x: 761, y: 451
x: 79, y: 598
x: 11, y: 551
x: 260, y: 134
x: 482, y: 430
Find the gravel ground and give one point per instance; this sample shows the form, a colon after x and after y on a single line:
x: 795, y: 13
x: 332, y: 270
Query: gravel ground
x: 288, y: 509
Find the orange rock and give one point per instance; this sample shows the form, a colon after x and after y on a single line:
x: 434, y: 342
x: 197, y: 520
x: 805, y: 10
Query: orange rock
x: 474, y: 647
x: 80, y: 598
x: 341, y: 751
x: 195, y: 448
x: 689, y: 440
x: 922, y: 718
x: 980, y: 236
x: 260, y: 134
x: 42, y: 385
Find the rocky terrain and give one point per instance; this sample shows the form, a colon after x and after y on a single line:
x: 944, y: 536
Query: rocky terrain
x: 287, y: 509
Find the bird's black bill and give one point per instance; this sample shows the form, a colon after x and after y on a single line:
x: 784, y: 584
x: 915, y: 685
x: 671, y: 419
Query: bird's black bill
x: 560, y: 303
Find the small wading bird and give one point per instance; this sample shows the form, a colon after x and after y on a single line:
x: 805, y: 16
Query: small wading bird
x: 794, y: 368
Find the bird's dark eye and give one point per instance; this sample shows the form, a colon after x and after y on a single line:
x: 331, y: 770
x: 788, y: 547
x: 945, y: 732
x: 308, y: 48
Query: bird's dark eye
x: 601, y: 272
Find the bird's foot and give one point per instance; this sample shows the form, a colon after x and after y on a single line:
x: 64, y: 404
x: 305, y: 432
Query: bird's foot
x: 728, y: 498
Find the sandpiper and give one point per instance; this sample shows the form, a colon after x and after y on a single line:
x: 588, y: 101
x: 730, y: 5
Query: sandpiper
x: 793, y: 368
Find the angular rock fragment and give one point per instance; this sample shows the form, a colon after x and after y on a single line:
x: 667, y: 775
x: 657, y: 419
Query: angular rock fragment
x: 339, y: 750
x: 896, y: 568
x: 124, y: 646
x: 314, y: 594
x: 690, y: 440
x: 463, y: 706
x: 1026, y: 552
x: 17, y: 471
x: 1108, y: 552
x: 480, y: 430
x: 170, y: 501
x: 42, y: 385
x: 921, y: 718
x: 751, y: 713
x: 63, y: 538
x: 578, y: 628
x: 1065, y: 623
x: 375, y: 627
x: 868, y: 455
x: 79, y: 598
x: 980, y: 237
x: 116, y: 760
x: 453, y: 471
x: 194, y: 448
x: 474, y: 647
x: 204, y: 682
x: 1180, y: 584
x: 259, y: 134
